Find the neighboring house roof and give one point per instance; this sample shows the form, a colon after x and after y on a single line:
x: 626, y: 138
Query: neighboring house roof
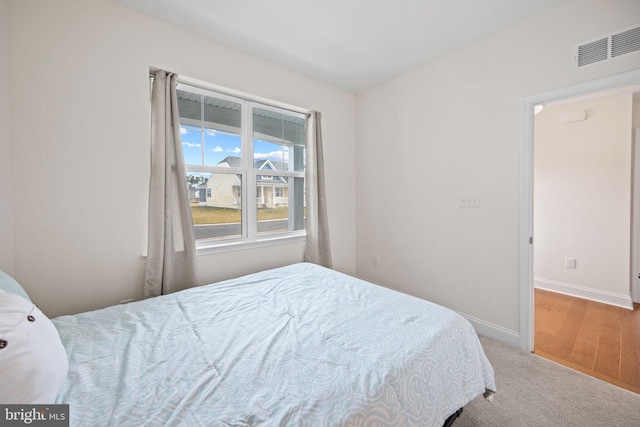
x: 232, y: 161
x: 265, y: 164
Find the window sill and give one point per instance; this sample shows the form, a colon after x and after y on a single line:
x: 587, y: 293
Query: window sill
x: 209, y: 248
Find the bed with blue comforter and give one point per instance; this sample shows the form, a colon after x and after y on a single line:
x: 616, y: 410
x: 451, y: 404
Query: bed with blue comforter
x: 300, y: 345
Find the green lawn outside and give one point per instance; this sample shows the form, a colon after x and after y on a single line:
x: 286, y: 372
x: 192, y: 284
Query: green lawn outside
x: 210, y: 215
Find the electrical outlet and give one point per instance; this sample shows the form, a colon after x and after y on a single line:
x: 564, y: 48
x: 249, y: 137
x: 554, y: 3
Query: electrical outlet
x: 374, y: 261
x: 570, y: 262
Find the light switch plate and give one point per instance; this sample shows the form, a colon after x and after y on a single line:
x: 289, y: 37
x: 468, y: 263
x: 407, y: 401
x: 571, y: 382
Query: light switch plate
x: 469, y: 201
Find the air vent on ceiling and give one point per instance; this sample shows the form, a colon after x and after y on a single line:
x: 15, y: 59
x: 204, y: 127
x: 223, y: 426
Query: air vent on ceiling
x: 608, y: 46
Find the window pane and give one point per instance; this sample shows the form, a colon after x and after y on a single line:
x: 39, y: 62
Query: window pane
x: 220, y: 147
x: 191, y: 144
x: 222, y: 130
x: 276, y: 154
x: 280, y: 204
x: 210, y: 128
x: 278, y: 138
x: 216, y: 204
x: 213, y: 137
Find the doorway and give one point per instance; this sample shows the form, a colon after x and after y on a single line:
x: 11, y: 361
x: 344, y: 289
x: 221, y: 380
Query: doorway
x: 618, y: 81
x: 614, y: 84
x: 583, y: 169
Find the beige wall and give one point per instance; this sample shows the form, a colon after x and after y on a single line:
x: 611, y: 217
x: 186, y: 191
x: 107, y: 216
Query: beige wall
x: 80, y: 100
x: 6, y: 199
x: 454, y: 127
x: 582, y: 198
x: 79, y: 95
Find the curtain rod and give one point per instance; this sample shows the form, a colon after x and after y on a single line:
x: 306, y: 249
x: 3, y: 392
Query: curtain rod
x: 200, y: 84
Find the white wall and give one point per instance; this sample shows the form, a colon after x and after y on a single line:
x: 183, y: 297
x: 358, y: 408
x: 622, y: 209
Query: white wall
x: 6, y: 199
x: 80, y: 108
x: 582, y: 199
x: 453, y: 127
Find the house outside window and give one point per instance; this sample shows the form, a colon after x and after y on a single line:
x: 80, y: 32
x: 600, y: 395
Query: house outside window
x: 229, y: 142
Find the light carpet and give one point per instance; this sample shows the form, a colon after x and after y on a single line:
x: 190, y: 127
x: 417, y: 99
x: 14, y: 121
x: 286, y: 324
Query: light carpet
x: 533, y: 391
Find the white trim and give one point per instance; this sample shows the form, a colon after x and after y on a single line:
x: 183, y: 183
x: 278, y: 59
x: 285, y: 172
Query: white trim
x: 493, y: 331
x: 526, y: 185
x: 635, y: 220
x: 229, y: 245
x: 250, y: 186
x: 199, y: 84
x: 526, y: 226
x: 611, y: 298
x: 207, y: 248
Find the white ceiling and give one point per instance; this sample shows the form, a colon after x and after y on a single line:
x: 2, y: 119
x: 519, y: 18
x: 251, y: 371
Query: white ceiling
x: 351, y: 44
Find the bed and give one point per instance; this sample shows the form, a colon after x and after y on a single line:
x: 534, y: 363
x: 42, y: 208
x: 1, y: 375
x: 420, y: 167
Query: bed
x: 292, y: 346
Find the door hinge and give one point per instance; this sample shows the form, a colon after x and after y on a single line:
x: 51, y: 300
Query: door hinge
x: 530, y: 240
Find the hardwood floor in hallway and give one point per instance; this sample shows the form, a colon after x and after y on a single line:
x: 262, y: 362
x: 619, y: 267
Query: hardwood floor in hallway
x: 594, y: 338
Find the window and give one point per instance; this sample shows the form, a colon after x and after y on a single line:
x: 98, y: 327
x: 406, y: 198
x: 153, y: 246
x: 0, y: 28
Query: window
x: 228, y: 142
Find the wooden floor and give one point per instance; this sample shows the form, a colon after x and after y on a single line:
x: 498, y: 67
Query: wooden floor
x: 594, y: 338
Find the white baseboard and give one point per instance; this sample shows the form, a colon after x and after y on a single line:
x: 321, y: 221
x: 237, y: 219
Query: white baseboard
x: 604, y: 297
x: 495, y: 332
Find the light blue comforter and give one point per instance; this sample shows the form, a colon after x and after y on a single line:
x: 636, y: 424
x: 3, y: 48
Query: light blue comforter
x: 299, y: 345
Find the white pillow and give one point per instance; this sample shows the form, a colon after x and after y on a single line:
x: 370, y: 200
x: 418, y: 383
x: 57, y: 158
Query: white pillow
x: 33, y: 360
x: 8, y: 283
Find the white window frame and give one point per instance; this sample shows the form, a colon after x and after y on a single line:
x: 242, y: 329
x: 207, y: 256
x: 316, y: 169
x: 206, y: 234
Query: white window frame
x: 250, y: 238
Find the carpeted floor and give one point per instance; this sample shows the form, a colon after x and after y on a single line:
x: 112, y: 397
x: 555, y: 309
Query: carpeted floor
x: 533, y: 391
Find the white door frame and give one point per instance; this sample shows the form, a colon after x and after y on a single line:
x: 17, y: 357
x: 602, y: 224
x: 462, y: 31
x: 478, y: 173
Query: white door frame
x: 526, y: 185
x: 635, y: 220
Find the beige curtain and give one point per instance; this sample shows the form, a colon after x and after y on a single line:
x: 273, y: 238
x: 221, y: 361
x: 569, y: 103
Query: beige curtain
x: 318, y: 246
x: 171, y: 252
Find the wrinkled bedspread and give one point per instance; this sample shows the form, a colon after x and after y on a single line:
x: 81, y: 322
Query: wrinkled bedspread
x: 298, y: 345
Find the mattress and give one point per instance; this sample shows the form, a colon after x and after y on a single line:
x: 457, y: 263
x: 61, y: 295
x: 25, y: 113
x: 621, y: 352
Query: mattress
x: 298, y: 345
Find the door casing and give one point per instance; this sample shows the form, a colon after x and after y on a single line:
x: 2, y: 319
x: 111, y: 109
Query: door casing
x: 526, y: 185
